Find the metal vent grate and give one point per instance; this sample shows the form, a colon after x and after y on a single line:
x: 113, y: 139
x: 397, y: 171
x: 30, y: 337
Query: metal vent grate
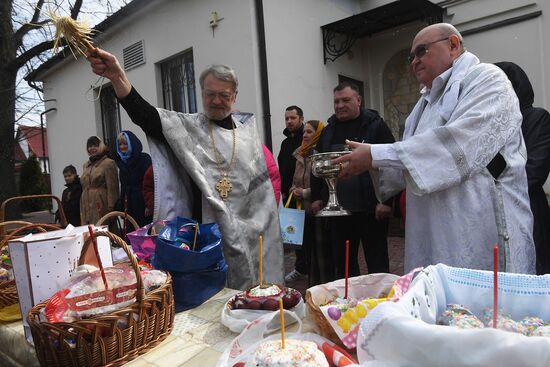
x: 133, y: 55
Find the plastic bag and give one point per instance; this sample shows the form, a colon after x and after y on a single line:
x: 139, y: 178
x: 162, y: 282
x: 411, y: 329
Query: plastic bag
x: 197, y: 267
x: 143, y: 240
x: 85, y: 295
x: 237, y: 320
x: 265, y: 328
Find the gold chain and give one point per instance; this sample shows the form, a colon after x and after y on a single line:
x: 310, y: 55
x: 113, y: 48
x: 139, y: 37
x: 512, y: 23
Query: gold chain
x: 223, y: 186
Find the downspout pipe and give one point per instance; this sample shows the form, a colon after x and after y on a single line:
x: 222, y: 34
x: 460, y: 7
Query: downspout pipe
x: 42, y: 133
x: 264, y: 83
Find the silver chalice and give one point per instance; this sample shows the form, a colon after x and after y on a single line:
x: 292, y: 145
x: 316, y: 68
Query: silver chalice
x: 322, y: 167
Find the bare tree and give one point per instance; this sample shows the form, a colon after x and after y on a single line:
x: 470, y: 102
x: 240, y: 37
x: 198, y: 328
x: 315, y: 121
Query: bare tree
x: 26, y: 40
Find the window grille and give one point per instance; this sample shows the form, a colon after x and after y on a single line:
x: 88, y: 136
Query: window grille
x: 178, y: 83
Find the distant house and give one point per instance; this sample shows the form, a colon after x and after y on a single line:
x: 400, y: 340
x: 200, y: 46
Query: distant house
x: 285, y: 52
x: 32, y: 140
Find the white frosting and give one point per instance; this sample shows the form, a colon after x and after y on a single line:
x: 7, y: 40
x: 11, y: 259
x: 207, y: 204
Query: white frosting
x: 296, y: 353
x: 264, y: 292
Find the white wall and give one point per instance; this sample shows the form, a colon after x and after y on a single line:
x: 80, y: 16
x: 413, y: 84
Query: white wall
x: 297, y: 75
x: 296, y: 71
x: 177, y: 26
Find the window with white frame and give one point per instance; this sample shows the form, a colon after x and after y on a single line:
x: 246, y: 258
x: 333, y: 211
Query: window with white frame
x: 178, y: 83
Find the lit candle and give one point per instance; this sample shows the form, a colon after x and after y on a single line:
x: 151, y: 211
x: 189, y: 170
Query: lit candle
x: 195, y: 237
x: 261, y: 261
x: 495, y: 285
x: 282, y: 315
x: 347, y: 268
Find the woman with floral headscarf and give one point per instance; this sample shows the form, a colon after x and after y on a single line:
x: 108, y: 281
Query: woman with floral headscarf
x: 301, y: 192
x: 99, y: 183
x: 133, y: 164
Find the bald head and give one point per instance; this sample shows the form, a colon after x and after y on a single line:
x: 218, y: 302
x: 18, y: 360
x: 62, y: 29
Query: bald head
x: 433, y: 51
x: 440, y: 30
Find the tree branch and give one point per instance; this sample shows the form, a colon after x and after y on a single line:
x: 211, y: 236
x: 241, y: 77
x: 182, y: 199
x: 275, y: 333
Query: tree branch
x: 29, y: 54
x: 76, y: 9
x: 33, y: 24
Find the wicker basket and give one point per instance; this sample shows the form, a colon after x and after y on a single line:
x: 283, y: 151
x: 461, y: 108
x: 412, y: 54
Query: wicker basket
x: 8, y: 290
x: 62, y: 218
x: 371, y: 286
x: 110, y: 339
x: 116, y: 214
x: 325, y: 329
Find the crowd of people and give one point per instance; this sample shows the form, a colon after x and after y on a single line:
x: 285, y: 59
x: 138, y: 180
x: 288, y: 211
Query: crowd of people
x: 469, y: 170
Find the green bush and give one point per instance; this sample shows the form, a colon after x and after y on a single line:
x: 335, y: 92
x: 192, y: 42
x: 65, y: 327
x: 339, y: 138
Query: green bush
x: 32, y: 183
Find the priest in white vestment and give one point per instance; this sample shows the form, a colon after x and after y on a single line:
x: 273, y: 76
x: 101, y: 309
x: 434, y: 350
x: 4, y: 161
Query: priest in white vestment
x: 462, y: 162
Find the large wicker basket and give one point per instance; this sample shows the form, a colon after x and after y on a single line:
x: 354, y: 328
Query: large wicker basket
x: 360, y: 287
x: 8, y: 290
x: 324, y: 327
x: 110, y: 339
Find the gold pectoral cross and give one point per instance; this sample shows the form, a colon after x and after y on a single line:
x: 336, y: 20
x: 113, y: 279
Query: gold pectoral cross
x: 224, y: 186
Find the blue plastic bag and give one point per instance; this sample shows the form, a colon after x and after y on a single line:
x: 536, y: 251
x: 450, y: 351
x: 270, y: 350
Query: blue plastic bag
x: 197, y: 273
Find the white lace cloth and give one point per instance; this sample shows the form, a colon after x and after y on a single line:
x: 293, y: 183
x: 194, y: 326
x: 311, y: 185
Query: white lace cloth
x: 404, y: 333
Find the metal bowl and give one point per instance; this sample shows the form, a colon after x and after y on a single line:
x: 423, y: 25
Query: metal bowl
x: 321, y: 164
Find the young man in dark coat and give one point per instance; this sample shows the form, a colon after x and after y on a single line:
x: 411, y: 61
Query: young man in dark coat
x: 536, y: 132
x: 70, y: 198
x: 294, y: 131
x: 294, y: 121
x: 368, y: 222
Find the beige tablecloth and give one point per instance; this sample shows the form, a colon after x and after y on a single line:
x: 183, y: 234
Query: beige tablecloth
x: 198, y: 339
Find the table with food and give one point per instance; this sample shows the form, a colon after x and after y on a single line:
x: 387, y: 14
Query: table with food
x: 123, y: 302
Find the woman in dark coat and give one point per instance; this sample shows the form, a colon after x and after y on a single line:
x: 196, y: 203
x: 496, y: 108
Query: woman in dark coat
x: 536, y: 132
x: 132, y: 164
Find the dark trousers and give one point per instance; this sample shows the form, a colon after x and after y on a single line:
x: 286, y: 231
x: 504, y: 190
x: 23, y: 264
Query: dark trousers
x: 373, y: 236
x: 303, y: 254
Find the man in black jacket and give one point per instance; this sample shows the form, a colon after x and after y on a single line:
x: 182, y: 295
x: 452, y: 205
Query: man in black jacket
x: 294, y: 121
x: 369, y: 220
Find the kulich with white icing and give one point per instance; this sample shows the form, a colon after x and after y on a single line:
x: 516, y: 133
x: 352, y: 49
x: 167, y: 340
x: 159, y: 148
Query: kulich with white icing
x: 296, y: 353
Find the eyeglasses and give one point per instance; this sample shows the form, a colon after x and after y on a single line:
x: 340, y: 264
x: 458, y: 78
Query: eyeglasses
x: 224, y: 96
x: 422, y: 50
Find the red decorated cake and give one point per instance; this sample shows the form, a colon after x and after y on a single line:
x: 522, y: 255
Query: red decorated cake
x: 265, y: 297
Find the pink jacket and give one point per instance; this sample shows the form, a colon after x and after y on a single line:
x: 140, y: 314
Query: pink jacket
x: 274, y: 174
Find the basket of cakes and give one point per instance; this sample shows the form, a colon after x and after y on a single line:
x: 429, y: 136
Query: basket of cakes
x: 474, y: 317
x: 103, y: 316
x: 339, y: 307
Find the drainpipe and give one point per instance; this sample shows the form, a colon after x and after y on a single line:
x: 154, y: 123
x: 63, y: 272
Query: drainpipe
x: 264, y: 85
x: 42, y: 133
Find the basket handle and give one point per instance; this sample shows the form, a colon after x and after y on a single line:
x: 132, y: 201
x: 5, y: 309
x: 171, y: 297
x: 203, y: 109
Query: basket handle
x: 12, y: 222
x: 114, y: 214
x: 39, y: 226
x: 62, y: 218
x: 140, y: 294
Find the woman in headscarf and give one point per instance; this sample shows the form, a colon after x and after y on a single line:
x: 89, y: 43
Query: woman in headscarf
x: 99, y: 183
x: 536, y: 132
x: 301, y: 192
x: 132, y: 164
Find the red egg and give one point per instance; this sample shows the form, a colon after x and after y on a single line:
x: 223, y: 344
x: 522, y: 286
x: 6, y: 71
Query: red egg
x: 289, y: 301
x: 254, y: 305
x: 270, y: 304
